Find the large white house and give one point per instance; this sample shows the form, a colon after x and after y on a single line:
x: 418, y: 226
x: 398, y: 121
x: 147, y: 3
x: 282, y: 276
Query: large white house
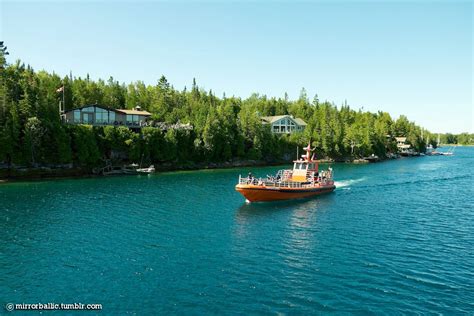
x: 402, y: 143
x: 99, y: 115
x: 284, y: 124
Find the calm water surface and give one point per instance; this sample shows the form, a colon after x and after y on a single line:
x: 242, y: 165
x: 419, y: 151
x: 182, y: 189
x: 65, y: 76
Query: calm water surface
x: 394, y: 237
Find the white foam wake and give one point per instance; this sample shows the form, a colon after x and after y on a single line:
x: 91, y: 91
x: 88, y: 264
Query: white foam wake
x: 348, y: 183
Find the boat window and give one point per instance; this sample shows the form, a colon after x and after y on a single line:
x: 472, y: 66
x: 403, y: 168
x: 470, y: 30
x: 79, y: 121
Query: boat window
x: 300, y: 166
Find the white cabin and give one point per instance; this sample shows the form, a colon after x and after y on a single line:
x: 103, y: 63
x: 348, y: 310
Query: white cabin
x: 284, y: 124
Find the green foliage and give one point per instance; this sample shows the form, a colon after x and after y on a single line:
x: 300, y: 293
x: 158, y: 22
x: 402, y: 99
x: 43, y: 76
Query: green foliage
x: 34, y: 132
x: 224, y: 128
x: 460, y: 139
x: 84, y: 145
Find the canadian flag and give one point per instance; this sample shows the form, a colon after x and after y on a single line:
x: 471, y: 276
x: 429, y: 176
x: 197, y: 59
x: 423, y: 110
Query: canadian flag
x: 61, y: 89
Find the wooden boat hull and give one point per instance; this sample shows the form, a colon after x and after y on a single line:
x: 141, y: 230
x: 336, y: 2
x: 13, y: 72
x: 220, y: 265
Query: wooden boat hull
x: 257, y: 193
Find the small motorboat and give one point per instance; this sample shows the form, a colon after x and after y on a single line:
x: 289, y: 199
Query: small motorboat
x: 150, y: 169
x: 304, y: 181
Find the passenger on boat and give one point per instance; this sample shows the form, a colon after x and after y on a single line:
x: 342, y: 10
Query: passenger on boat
x: 250, y: 178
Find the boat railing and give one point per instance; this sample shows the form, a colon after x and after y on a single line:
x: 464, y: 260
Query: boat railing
x: 274, y: 183
x: 283, y: 174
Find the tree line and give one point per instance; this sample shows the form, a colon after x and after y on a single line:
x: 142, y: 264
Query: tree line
x: 457, y: 139
x: 224, y: 128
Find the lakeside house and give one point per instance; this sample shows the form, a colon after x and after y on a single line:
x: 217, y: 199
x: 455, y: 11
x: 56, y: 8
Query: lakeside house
x: 402, y: 143
x: 284, y: 124
x: 405, y: 148
x: 99, y: 115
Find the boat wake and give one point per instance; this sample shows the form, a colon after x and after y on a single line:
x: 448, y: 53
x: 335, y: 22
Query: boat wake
x: 345, y: 184
x: 439, y: 179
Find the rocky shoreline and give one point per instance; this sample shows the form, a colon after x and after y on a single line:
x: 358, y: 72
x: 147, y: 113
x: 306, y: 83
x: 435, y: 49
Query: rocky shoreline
x: 12, y: 173
x: 70, y: 171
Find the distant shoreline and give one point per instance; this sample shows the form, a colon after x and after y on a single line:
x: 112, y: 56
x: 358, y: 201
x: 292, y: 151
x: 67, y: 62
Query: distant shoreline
x: 20, y: 173
x: 455, y: 145
x: 46, y: 173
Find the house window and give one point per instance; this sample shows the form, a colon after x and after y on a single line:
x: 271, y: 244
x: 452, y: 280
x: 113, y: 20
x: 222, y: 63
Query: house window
x: 88, y: 109
x: 111, y: 117
x: 87, y: 118
x: 101, y: 116
x: 77, y: 116
x: 132, y: 119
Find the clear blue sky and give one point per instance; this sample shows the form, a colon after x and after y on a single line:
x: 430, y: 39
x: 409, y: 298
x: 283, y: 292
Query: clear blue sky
x: 412, y: 58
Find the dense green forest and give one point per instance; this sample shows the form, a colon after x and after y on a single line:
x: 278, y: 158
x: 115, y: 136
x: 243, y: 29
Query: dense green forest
x: 224, y: 128
x: 459, y: 139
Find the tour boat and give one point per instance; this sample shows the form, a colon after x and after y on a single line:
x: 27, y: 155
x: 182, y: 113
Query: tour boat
x: 304, y: 181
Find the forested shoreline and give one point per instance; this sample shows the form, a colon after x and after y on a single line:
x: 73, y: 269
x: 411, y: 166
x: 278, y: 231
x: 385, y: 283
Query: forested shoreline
x: 225, y: 129
x: 463, y: 139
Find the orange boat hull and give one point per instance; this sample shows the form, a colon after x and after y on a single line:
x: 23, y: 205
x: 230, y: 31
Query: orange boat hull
x: 257, y: 193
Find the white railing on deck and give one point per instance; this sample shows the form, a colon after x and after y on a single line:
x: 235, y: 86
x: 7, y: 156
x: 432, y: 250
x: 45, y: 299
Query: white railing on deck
x: 275, y: 184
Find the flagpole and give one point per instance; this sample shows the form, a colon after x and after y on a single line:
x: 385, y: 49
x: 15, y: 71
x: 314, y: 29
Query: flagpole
x: 64, y: 105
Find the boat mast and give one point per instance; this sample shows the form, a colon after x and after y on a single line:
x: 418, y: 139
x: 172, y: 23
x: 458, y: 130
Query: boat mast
x: 308, y: 152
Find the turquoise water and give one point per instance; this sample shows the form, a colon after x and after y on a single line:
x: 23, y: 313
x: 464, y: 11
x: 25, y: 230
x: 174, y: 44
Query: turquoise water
x: 395, y: 237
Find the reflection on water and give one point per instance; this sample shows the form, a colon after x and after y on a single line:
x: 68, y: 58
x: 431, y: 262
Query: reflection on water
x: 299, y: 216
x: 249, y: 211
x: 299, y: 234
x: 261, y: 208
